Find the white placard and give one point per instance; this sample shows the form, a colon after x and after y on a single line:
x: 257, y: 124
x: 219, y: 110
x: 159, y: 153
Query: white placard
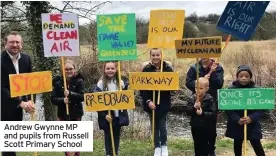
x: 46, y: 136
x: 60, y: 34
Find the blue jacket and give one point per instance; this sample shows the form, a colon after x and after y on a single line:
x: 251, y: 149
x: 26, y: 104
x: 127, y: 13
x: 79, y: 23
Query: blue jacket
x: 236, y: 131
x: 216, y: 79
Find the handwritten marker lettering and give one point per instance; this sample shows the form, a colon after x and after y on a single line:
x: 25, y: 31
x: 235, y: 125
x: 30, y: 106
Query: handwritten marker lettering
x: 240, y: 99
x: 116, y: 37
x: 201, y: 47
x: 240, y: 18
x: 109, y: 100
x: 60, y: 34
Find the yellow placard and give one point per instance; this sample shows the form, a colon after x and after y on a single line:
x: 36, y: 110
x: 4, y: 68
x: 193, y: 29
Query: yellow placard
x: 154, y: 80
x: 30, y: 83
x: 110, y: 100
x: 165, y: 27
x: 205, y: 47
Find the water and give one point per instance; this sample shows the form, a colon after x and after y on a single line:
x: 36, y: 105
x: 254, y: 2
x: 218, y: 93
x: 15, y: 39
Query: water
x: 178, y: 124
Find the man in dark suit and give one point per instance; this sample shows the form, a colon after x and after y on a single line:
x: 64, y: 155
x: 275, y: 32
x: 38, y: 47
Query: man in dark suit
x: 13, y: 62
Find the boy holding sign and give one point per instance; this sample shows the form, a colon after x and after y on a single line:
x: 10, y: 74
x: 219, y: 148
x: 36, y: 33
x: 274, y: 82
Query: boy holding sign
x: 214, y: 72
x: 236, y: 119
x: 203, y: 113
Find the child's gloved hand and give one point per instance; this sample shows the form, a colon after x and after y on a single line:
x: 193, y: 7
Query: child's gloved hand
x: 242, y: 121
x: 199, y: 111
x: 197, y: 105
x: 152, y: 105
x: 108, y: 118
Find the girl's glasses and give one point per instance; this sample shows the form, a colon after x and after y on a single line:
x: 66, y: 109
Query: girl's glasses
x: 69, y: 69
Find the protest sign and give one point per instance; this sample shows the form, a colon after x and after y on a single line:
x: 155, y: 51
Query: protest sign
x: 46, y: 136
x: 109, y: 100
x: 205, y: 47
x: 116, y: 37
x: 154, y: 80
x: 240, y: 18
x: 165, y: 26
x: 241, y: 99
x: 30, y: 83
x: 60, y: 34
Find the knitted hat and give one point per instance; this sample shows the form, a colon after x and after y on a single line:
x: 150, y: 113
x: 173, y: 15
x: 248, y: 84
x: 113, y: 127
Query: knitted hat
x: 244, y: 68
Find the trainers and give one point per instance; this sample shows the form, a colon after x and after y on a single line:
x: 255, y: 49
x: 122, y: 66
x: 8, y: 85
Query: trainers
x: 164, y: 150
x: 157, y: 151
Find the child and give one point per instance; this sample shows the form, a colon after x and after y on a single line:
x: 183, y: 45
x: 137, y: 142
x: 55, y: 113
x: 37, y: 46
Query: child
x: 74, y: 95
x: 202, y: 114
x: 236, y: 119
x: 209, y: 69
x: 119, y: 118
x: 161, y: 110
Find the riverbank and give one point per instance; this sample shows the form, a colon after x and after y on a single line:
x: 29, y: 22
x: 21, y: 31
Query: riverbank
x: 177, y: 147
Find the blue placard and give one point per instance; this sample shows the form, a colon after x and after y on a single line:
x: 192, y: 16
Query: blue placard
x: 240, y: 18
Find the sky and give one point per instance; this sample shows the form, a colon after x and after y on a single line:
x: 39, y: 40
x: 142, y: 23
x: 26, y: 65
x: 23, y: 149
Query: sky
x: 142, y: 8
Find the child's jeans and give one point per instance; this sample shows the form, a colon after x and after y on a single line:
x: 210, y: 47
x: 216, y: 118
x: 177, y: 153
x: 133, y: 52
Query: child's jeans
x: 160, y: 130
x: 256, y: 144
x: 200, y: 137
x: 116, y: 136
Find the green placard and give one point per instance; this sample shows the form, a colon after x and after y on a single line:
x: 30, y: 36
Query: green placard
x: 241, y: 99
x: 116, y: 37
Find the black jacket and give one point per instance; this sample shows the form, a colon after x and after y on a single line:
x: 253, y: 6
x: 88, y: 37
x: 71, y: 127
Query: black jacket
x: 165, y: 96
x: 216, y: 79
x: 123, y: 119
x: 236, y: 131
x: 10, y: 110
x: 208, y: 116
x: 76, y: 97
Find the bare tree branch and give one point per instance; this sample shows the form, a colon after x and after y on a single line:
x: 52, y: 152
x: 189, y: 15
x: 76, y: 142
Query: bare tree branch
x: 266, y: 29
x: 13, y: 20
x: 81, y: 11
x: 65, y: 5
x: 14, y: 7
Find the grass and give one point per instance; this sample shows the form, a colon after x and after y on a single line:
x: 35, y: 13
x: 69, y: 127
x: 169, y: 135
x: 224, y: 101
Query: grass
x: 177, y: 147
x: 270, y: 145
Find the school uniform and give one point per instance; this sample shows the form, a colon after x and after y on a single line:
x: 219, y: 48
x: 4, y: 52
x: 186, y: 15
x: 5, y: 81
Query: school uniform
x: 119, y: 118
x: 215, y: 82
x: 236, y: 131
x: 201, y: 125
x: 161, y: 111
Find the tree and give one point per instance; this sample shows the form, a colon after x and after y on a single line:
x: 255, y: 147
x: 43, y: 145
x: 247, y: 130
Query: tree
x: 34, y: 9
x: 190, y: 30
x: 203, y: 31
x: 193, y: 18
x: 213, y: 18
x: 142, y: 28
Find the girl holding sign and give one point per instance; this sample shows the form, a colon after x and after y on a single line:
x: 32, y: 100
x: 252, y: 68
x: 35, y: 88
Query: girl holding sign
x: 74, y: 96
x: 118, y: 118
x: 236, y: 119
x: 161, y: 110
